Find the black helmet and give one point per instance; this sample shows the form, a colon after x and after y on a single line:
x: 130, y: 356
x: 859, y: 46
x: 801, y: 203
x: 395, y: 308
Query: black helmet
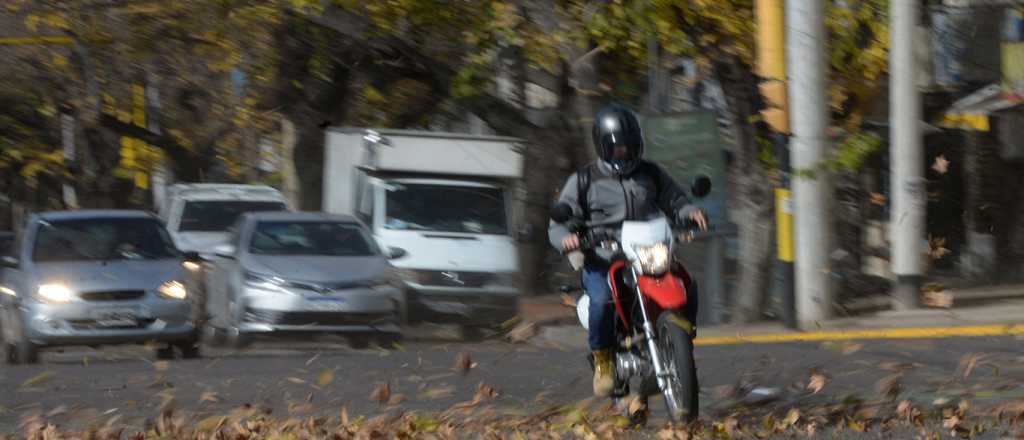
x: 616, y: 127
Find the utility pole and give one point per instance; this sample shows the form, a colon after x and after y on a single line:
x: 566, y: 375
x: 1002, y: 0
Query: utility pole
x: 906, y: 157
x: 805, y: 24
x: 771, y: 67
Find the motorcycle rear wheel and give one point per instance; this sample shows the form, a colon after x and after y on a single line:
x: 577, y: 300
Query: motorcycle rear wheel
x: 682, y: 400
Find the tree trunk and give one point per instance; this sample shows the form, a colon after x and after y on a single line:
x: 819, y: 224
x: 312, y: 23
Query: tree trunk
x: 756, y: 208
x: 289, y: 177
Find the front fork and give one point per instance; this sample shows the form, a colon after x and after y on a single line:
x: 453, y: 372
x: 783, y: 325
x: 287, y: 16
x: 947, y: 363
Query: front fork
x: 652, y: 343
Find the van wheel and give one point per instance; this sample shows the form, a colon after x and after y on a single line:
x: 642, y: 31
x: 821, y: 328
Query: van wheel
x: 165, y: 353
x: 472, y: 333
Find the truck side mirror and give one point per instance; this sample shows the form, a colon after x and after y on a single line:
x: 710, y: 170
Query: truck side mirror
x: 395, y: 253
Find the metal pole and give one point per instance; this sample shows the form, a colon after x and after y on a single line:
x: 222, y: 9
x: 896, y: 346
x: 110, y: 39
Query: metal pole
x: 907, y: 159
x: 806, y: 57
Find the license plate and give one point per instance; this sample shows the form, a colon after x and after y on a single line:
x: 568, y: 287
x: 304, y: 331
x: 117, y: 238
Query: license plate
x: 115, y: 317
x: 321, y: 303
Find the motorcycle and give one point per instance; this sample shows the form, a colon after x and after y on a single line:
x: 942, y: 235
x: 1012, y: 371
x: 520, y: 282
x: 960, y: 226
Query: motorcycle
x: 649, y: 293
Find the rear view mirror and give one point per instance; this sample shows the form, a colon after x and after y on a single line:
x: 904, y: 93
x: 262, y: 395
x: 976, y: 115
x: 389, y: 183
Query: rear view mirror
x: 9, y: 262
x: 395, y: 253
x: 701, y: 186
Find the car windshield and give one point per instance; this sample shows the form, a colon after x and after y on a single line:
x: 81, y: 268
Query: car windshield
x: 311, y: 238
x: 219, y: 215
x: 446, y: 208
x: 100, y: 239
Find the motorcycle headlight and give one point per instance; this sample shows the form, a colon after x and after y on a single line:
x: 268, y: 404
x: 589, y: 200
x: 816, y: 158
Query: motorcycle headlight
x: 54, y: 293
x: 173, y: 290
x: 654, y: 260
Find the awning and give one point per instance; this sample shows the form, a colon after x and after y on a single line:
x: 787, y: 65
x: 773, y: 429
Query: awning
x: 972, y: 112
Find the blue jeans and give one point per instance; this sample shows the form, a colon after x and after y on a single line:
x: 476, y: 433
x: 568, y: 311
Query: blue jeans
x: 602, y: 308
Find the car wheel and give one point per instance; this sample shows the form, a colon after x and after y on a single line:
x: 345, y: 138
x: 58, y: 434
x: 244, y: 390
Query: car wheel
x: 472, y: 333
x: 17, y: 349
x: 388, y: 340
x: 190, y: 350
x: 238, y: 340
x: 359, y: 342
x: 165, y: 352
x: 214, y: 336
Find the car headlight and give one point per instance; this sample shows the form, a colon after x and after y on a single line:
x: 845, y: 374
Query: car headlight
x: 654, y: 260
x: 55, y: 293
x: 173, y: 290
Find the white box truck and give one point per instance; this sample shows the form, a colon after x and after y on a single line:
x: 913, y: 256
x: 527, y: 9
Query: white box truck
x: 444, y: 202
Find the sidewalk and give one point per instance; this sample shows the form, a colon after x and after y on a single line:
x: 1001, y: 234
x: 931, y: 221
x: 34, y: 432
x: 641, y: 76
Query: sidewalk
x: 975, y: 312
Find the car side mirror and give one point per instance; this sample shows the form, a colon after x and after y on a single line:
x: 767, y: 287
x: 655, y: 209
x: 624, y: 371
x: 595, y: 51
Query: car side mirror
x: 701, y: 186
x: 225, y: 251
x: 10, y: 262
x: 395, y: 253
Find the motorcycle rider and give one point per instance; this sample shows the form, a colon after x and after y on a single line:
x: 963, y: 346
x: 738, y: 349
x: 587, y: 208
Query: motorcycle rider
x: 619, y: 186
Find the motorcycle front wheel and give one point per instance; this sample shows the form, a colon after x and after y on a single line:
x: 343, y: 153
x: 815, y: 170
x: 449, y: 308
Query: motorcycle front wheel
x: 681, y: 390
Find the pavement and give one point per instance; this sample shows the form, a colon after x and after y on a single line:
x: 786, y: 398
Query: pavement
x: 987, y: 311
x: 931, y: 357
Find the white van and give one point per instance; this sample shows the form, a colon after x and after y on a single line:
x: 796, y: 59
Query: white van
x: 444, y: 203
x: 198, y: 216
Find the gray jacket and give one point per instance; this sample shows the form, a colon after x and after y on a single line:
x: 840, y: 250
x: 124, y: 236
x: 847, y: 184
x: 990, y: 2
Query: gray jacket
x: 614, y: 199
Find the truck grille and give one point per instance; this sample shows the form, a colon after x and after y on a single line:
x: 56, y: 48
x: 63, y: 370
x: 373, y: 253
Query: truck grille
x: 114, y: 295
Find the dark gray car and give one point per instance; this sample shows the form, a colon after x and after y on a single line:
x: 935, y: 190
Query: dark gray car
x: 95, y: 278
x: 302, y: 272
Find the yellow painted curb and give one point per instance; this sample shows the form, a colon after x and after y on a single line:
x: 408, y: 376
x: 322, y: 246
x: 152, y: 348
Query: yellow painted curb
x: 844, y: 335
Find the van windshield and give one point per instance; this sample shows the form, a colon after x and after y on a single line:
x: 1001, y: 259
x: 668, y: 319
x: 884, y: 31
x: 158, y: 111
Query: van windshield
x: 219, y: 215
x: 446, y: 208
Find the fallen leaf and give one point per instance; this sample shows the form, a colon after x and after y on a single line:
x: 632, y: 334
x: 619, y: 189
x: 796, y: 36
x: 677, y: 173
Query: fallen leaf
x: 38, y: 379
x: 209, y: 396
x: 791, y: 418
x: 396, y: 399
x: 485, y: 392
x: 438, y: 392
x: 463, y: 363
x: 295, y: 380
x: 382, y: 393
x: 523, y: 332
x: 896, y: 366
x: 817, y: 383
x: 851, y: 348
x: 325, y: 377
x: 344, y: 416
x: 971, y: 361
x: 161, y: 365
x: 941, y: 165
x: 878, y: 199
x: 889, y: 386
x: 568, y: 301
x: 211, y: 424
x: 724, y: 391
x: 63, y: 409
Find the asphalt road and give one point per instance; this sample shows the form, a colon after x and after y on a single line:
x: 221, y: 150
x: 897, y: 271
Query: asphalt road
x: 85, y: 386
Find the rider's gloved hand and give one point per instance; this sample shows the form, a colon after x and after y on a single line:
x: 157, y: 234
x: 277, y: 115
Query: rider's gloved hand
x: 699, y: 218
x: 571, y: 242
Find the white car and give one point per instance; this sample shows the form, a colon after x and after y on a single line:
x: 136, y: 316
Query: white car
x: 302, y: 272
